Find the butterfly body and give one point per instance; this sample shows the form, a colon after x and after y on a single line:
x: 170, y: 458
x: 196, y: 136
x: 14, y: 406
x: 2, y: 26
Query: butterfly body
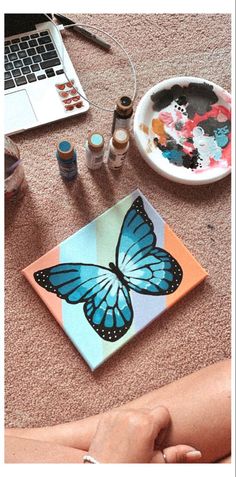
x: 118, y: 273
x: 139, y: 266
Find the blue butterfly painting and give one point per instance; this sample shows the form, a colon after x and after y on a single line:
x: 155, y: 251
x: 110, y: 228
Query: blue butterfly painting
x: 139, y: 266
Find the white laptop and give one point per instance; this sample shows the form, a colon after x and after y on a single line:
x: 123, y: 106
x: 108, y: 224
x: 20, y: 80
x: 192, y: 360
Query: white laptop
x: 36, y: 90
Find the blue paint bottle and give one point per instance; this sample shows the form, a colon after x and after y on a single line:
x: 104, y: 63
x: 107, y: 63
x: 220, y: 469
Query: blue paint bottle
x: 67, y: 160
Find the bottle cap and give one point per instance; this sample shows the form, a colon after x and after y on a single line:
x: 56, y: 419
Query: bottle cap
x: 95, y: 141
x: 124, y: 104
x: 120, y: 138
x: 65, y: 150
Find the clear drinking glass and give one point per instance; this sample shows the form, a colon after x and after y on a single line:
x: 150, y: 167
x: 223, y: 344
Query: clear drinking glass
x: 14, y: 177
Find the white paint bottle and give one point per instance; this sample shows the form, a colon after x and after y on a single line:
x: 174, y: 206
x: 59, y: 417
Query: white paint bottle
x: 94, y: 149
x: 118, y: 148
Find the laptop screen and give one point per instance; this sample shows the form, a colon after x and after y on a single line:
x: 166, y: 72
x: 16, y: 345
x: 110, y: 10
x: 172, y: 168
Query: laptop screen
x: 20, y: 22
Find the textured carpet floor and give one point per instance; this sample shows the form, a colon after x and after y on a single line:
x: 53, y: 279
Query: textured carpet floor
x: 47, y: 381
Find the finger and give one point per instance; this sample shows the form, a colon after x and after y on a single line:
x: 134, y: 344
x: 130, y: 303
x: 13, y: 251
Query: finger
x: 161, y: 419
x: 177, y: 455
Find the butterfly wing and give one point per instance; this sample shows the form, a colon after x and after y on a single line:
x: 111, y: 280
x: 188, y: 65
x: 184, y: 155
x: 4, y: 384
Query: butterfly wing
x: 110, y: 313
x: 107, y: 306
x: 146, y: 268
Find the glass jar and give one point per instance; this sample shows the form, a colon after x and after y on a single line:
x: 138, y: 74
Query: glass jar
x: 14, y: 177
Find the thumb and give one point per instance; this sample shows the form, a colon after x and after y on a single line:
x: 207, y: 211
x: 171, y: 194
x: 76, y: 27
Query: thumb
x: 161, y: 420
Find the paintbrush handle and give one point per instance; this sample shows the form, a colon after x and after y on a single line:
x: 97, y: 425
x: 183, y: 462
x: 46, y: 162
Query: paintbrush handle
x: 92, y: 37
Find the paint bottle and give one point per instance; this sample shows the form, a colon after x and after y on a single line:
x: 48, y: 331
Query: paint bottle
x: 94, y: 149
x: 67, y: 160
x: 122, y: 114
x: 118, y: 148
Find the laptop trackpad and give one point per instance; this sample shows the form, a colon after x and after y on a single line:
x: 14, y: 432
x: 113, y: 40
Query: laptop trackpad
x: 19, y: 113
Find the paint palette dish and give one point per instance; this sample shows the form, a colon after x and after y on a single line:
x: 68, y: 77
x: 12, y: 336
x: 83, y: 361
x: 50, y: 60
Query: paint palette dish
x: 182, y: 128
x: 112, y: 278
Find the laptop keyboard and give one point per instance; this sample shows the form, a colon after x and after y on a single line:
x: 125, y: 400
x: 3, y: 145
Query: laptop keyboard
x: 30, y: 58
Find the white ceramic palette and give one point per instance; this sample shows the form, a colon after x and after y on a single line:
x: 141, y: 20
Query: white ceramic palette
x: 182, y: 128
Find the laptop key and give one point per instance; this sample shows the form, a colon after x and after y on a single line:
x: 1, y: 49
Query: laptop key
x: 50, y: 46
x: 9, y: 84
x: 7, y: 50
x: 24, y: 45
x: 59, y: 72
x: 16, y: 72
x: 9, y: 66
x: 23, y: 38
x: 21, y: 54
x: 25, y: 70
x: 16, y: 40
x: 7, y: 42
x: 27, y: 61
x: 41, y: 49
x: 36, y: 58
x: 6, y: 58
x: 50, y: 73
x: 31, y: 78
x: 20, y: 81
x: 18, y: 64
x: 31, y: 52
x: 50, y: 63
x: 40, y: 77
x: 44, y: 40
x: 14, y: 48
x: 12, y: 56
x: 35, y: 35
x: 35, y: 67
x: 33, y: 43
x: 49, y: 54
x: 43, y: 33
x: 7, y: 75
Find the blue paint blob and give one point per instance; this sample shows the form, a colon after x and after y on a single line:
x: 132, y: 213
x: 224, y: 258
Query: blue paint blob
x: 221, y: 136
x: 174, y: 156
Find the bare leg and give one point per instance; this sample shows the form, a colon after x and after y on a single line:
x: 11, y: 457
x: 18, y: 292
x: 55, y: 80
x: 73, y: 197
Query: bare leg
x: 29, y: 451
x: 199, y: 405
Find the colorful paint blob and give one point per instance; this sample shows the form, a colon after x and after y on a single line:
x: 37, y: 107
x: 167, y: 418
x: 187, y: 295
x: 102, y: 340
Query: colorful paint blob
x: 191, y: 128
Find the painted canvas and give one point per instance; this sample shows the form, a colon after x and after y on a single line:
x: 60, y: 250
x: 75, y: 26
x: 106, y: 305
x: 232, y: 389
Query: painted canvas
x: 109, y: 280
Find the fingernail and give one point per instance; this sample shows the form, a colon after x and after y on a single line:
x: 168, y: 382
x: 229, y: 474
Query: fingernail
x: 194, y: 454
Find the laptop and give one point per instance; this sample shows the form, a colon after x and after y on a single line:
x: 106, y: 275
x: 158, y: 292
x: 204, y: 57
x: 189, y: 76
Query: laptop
x: 36, y: 89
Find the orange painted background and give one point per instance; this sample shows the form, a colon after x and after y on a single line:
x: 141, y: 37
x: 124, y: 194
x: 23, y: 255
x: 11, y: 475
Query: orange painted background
x: 193, y: 273
x: 50, y: 299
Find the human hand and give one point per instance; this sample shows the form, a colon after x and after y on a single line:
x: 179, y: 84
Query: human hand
x: 128, y: 436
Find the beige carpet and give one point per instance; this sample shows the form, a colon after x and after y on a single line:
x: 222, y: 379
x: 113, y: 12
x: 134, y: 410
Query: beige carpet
x: 47, y: 381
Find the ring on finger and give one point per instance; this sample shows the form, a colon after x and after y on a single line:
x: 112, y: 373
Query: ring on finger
x: 164, y: 457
